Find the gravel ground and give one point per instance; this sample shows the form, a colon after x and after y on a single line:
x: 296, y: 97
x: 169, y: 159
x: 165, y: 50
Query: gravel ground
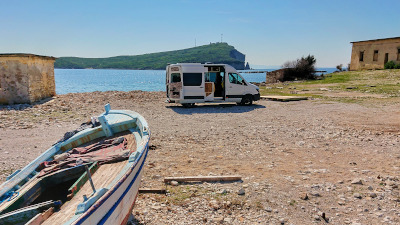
x: 301, y: 162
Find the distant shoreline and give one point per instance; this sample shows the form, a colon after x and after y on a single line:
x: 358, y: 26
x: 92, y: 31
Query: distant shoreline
x: 90, y: 80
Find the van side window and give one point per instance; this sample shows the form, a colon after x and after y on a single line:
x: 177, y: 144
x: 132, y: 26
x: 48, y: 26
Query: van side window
x: 235, y: 78
x: 240, y: 79
x: 192, y: 79
x: 175, y: 77
x: 232, y: 78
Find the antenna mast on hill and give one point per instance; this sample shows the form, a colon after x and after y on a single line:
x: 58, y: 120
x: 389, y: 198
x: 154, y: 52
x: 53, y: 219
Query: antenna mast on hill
x: 221, y: 37
x: 195, y: 43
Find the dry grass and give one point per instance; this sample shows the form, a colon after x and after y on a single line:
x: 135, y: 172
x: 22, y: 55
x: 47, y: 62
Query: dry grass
x: 348, y: 87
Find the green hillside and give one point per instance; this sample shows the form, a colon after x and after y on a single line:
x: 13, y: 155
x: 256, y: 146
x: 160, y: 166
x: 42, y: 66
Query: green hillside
x: 216, y: 53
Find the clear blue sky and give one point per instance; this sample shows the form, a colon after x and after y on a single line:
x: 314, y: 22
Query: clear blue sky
x: 268, y: 32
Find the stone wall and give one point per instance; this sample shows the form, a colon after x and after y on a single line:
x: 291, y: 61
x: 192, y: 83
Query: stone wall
x: 26, y: 78
x: 389, y: 46
x: 274, y: 76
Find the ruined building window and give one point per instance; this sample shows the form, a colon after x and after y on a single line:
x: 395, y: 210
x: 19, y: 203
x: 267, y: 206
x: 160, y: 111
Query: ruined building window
x: 375, y: 55
x: 361, y: 56
x: 398, y: 54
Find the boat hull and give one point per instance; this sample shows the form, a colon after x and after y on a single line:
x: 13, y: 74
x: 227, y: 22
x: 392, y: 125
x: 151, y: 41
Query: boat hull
x: 111, y: 202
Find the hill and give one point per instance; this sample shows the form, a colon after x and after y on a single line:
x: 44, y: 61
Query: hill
x: 216, y: 53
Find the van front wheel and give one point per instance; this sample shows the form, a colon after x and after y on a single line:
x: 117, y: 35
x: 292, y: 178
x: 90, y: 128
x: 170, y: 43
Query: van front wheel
x: 247, y: 100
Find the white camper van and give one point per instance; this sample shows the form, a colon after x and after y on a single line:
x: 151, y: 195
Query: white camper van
x: 190, y: 83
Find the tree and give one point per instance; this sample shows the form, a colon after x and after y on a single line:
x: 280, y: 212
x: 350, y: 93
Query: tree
x: 303, y: 68
x: 339, y: 67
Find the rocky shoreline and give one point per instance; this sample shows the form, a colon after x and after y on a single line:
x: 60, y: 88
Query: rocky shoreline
x: 301, y: 162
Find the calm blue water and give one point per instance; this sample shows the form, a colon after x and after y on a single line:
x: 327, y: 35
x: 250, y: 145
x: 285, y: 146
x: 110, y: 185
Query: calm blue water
x: 88, y: 80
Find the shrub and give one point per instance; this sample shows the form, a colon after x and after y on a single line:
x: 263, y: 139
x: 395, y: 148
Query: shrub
x: 390, y: 65
x: 339, y: 67
x: 303, y: 68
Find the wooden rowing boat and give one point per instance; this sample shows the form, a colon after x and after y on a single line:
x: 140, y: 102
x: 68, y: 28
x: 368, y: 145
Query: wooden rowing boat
x: 92, y: 177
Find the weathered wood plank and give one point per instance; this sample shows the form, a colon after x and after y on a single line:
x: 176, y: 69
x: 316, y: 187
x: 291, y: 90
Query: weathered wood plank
x: 41, y: 217
x: 82, y: 180
x: 153, y: 190
x: 284, y: 98
x: 23, y: 215
x: 202, y: 178
x: 102, y: 178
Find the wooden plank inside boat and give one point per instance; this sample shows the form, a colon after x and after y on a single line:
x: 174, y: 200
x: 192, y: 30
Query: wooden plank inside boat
x: 40, y: 218
x: 102, y: 178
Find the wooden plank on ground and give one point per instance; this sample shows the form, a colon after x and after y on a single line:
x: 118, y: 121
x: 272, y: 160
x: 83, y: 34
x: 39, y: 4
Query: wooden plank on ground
x: 284, y: 98
x: 152, y: 190
x: 202, y: 178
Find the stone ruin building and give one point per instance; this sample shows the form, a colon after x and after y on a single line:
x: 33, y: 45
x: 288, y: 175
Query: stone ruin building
x: 275, y: 76
x: 26, y: 78
x: 373, y: 54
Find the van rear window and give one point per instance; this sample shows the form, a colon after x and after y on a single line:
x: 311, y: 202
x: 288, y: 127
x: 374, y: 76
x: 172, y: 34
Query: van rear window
x: 175, y: 77
x: 192, y: 79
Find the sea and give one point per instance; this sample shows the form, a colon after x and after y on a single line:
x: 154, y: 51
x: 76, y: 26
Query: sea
x: 89, y: 80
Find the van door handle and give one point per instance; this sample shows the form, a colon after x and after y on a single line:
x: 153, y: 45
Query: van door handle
x: 201, y: 87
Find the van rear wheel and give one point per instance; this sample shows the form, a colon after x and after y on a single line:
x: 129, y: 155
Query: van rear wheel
x: 247, y: 100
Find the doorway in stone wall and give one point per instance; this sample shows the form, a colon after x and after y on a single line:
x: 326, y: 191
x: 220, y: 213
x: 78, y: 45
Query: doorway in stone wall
x: 386, y: 57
